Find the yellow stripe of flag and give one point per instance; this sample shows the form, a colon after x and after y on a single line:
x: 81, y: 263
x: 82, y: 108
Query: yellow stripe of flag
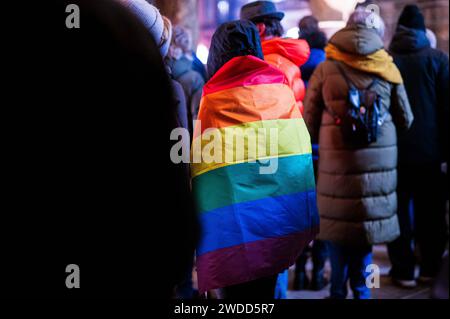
x: 249, y: 142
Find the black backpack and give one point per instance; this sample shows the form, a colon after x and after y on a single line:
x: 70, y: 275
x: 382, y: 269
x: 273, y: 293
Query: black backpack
x: 360, y: 123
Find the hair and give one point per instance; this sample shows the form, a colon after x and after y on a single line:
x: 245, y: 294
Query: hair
x: 371, y: 20
x: 166, y: 37
x: 309, y: 24
x: 273, y: 26
x: 310, y: 32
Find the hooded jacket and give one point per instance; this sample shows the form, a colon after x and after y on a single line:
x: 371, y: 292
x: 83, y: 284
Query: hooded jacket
x: 257, y: 208
x: 356, y: 187
x: 426, y: 75
x: 288, y: 55
x: 232, y: 40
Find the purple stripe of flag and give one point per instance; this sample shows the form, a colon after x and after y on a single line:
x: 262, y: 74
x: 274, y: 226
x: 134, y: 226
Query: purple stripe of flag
x: 250, y: 261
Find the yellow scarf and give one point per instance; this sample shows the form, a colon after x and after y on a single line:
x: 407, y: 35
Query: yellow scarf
x: 379, y: 63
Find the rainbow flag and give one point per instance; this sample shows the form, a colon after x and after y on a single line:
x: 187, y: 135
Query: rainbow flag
x: 257, y: 207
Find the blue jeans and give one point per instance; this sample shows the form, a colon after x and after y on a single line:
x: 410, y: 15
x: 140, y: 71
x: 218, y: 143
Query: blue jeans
x: 282, y: 286
x: 349, y: 264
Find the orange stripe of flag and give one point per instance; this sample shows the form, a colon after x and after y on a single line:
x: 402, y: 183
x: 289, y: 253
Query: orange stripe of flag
x: 239, y: 105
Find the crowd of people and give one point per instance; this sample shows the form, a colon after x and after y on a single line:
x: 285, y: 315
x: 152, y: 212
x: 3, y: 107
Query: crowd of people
x: 377, y: 127
x: 361, y: 154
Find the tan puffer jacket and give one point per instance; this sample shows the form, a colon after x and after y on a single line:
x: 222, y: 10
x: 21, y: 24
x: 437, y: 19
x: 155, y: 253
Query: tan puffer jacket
x: 356, y: 187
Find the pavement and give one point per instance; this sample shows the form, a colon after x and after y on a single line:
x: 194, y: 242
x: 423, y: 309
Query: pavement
x: 387, y: 289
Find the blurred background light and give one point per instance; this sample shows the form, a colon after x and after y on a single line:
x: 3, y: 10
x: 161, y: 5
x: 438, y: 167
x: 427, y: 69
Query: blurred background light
x: 335, y: 25
x: 224, y: 7
x: 346, y: 7
x: 292, y: 33
x: 202, y: 53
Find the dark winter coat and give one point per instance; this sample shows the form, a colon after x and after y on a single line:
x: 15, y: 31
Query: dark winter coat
x: 199, y: 67
x: 87, y: 175
x: 317, y: 41
x: 356, y: 187
x: 191, y: 81
x: 426, y: 75
x: 317, y: 56
x: 180, y: 102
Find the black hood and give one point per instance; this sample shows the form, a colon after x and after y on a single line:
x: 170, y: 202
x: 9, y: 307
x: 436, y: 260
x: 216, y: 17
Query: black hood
x: 231, y: 40
x: 408, y: 40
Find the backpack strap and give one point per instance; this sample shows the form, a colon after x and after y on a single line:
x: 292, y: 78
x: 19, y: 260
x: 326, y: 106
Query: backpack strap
x: 349, y: 82
x: 351, y: 86
x: 375, y: 82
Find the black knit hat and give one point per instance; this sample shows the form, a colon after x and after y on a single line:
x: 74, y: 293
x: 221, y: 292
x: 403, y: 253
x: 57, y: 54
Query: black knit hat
x: 412, y: 18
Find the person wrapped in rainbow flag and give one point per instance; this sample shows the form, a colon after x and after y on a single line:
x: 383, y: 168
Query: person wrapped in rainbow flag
x: 252, y: 170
